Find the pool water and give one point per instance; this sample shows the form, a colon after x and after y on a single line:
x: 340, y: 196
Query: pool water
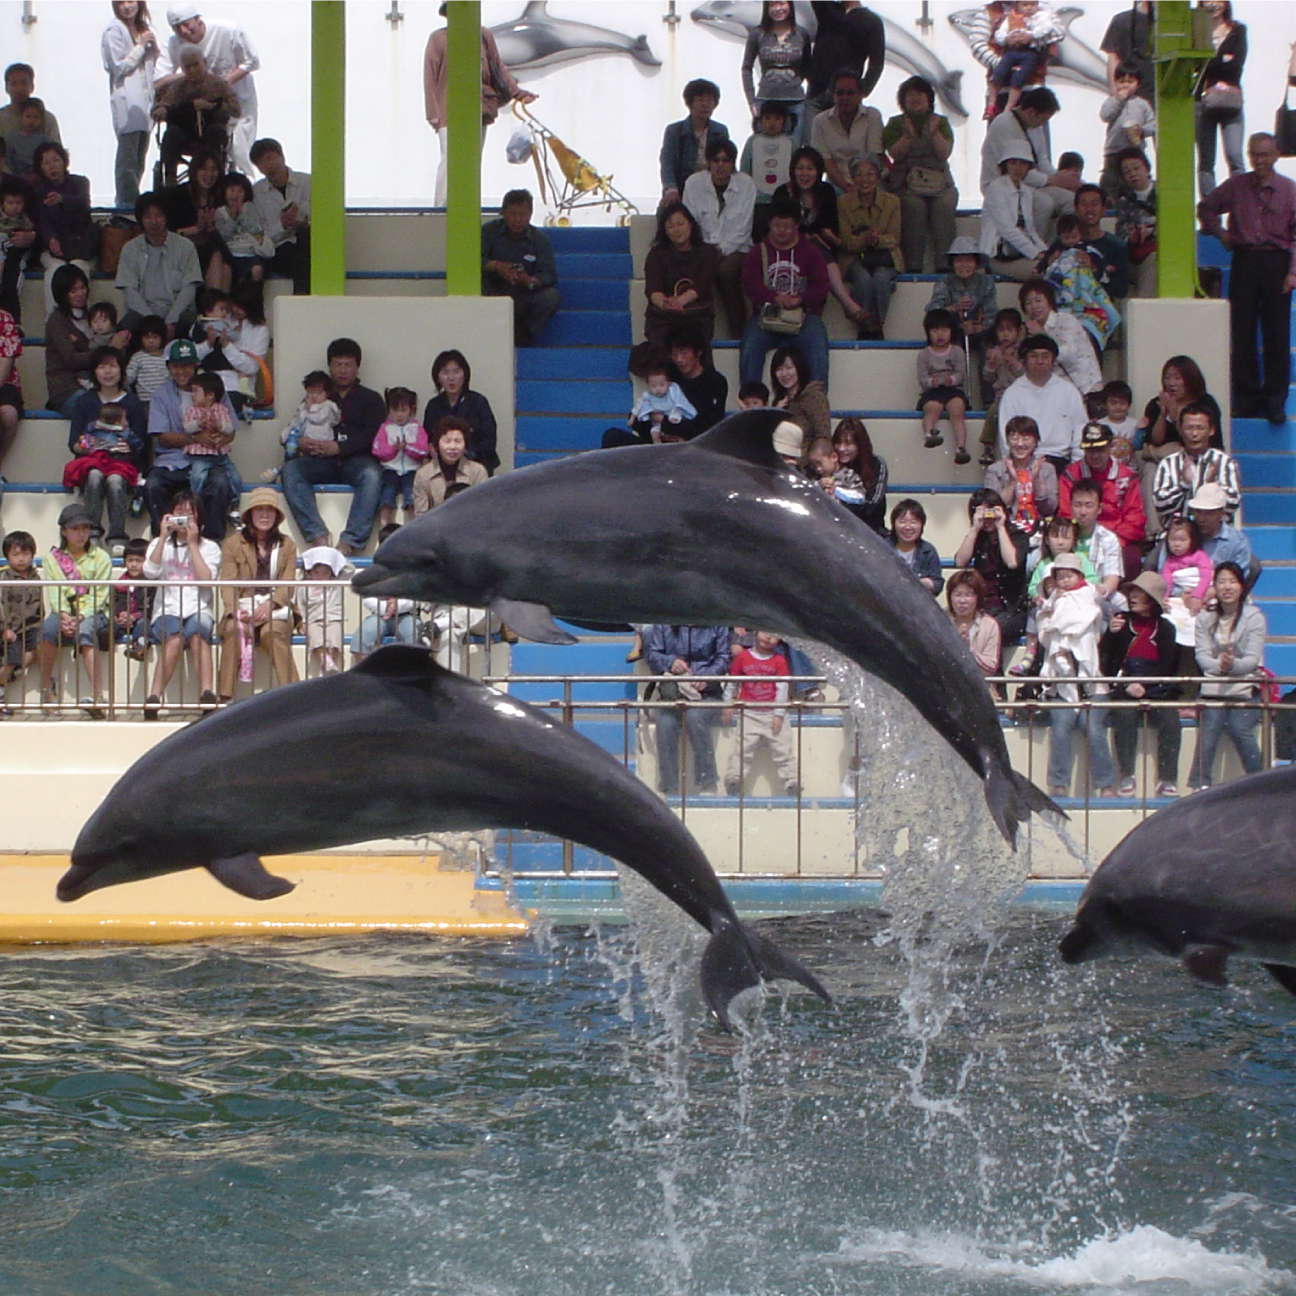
x: 553, y: 1117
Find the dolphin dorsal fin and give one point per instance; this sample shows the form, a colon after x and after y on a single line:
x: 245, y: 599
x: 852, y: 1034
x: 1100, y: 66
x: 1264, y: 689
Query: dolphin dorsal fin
x: 401, y: 661
x: 747, y: 435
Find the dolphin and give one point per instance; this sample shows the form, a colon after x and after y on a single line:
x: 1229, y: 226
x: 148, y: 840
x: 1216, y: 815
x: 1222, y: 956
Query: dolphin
x: 411, y: 748
x: 1075, y: 62
x: 738, y: 17
x: 715, y: 531
x: 536, y: 40
x: 1211, y: 876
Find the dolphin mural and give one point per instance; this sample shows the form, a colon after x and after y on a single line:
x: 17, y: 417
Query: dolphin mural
x: 408, y: 748
x: 738, y: 17
x: 1075, y: 62
x: 714, y: 531
x: 1210, y: 877
x: 536, y: 40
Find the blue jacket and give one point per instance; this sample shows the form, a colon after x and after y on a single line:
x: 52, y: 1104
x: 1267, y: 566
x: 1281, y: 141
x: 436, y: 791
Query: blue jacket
x: 85, y: 409
x: 678, y: 155
x: 704, y: 648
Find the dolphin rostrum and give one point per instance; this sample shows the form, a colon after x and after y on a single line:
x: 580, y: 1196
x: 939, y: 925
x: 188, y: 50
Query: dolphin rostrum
x: 1210, y: 876
x: 534, y: 39
x: 714, y: 531
x: 409, y: 748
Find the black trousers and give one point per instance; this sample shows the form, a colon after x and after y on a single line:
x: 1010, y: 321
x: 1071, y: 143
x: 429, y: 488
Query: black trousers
x: 1257, y: 300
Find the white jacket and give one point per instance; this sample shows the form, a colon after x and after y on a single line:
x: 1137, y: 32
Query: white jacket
x: 1069, y: 624
x: 999, y: 220
x: 130, y: 79
x: 729, y: 230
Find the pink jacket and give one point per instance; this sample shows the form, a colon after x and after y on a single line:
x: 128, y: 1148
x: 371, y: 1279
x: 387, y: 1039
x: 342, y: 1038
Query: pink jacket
x: 1198, y: 561
x: 402, y: 454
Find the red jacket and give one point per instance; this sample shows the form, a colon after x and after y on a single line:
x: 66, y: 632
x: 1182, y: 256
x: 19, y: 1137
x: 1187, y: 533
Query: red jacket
x: 1122, y: 502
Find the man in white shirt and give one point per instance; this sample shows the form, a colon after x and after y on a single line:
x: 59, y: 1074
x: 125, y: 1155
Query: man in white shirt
x: 851, y: 130
x: 283, y: 199
x: 229, y: 55
x: 1009, y: 231
x: 723, y: 202
x: 1051, y: 400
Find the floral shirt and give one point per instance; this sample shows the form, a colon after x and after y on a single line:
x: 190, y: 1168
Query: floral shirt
x: 10, y: 348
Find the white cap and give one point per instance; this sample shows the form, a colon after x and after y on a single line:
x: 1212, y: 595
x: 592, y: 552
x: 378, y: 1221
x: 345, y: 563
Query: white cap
x: 179, y: 13
x: 325, y: 554
x: 788, y: 439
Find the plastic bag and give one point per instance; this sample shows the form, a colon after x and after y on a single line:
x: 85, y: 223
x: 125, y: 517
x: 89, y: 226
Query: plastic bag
x: 520, y: 145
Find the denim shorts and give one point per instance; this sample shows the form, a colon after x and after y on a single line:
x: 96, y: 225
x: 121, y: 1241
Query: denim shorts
x: 91, y: 630
x: 166, y: 627
x: 25, y: 641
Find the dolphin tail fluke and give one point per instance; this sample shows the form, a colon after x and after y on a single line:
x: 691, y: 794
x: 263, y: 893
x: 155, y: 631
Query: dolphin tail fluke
x: 1013, y: 798
x: 246, y: 875
x: 737, y: 959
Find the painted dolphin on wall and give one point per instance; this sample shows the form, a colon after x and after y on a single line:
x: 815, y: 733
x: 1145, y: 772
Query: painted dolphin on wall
x: 443, y: 754
x: 715, y: 531
x: 738, y: 17
x: 1075, y: 62
x: 535, y: 40
x: 1212, y: 876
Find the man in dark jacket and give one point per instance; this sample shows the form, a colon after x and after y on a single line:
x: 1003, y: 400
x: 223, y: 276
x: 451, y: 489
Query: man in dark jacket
x: 689, y: 655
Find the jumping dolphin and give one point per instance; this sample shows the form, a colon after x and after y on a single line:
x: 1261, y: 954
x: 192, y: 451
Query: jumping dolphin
x: 1207, y: 877
x: 408, y: 748
x: 714, y: 531
x: 535, y: 40
x: 738, y: 17
x: 1075, y: 61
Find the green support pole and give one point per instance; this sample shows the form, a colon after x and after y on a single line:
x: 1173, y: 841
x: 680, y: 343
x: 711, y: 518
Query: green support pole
x: 328, y: 147
x: 1178, y: 63
x: 463, y: 169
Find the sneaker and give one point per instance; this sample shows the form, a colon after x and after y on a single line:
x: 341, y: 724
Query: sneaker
x: 850, y: 785
x: 1166, y: 790
x: 1059, y: 791
x: 117, y: 545
x: 732, y: 789
x: 961, y: 456
x: 987, y: 457
x: 207, y: 700
x: 137, y: 504
x: 152, y: 705
x: 1127, y: 788
x: 92, y: 706
x: 932, y: 440
x: 270, y: 475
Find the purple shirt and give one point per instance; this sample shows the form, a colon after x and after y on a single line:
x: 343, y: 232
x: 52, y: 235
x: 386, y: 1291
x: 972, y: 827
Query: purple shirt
x: 1260, y: 215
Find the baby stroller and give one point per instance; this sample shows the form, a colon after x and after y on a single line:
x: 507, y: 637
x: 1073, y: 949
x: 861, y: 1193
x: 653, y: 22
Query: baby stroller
x: 581, y: 186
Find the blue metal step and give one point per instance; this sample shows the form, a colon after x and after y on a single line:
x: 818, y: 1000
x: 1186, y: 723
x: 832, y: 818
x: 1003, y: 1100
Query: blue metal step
x: 594, y: 294
x: 1280, y: 614
x: 1250, y: 436
x: 1276, y: 470
x: 1211, y: 252
x: 589, y: 238
x: 1263, y: 509
x: 584, y: 364
x: 587, y: 328
x: 1281, y: 658
x: 1277, y: 582
x: 612, y: 399
x: 1272, y: 542
x: 594, y: 265
x: 543, y: 432
x: 547, y: 856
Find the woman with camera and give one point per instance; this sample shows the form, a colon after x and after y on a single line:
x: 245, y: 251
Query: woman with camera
x: 997, y: 551
x: 182, y: 611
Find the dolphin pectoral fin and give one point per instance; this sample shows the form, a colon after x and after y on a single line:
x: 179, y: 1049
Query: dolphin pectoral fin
x: 1207, y: 963
x: 532, y: 621
x: 1284, y: 974
x: 246, y: 875
x: 737, y: 959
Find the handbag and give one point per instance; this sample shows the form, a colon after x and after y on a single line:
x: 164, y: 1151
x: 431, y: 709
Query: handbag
x: 877, y: 259
x: 781, y: 319
x: 1223, y: 98
x: 926, y: 181
x: 1285, y: 127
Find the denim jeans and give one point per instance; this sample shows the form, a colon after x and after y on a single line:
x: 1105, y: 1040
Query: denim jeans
x: 205, y: 467
x: 1240, y: 722
x: 758, y: 342
x: 132, y: 149
x: 697, y: 725
x: 1062, y: 722
x: 871, y: 290
x: 96, y: 486
x: 373, y: 629
x: 1232, y: 126
x: 163, y: 484
x: 361, y: 472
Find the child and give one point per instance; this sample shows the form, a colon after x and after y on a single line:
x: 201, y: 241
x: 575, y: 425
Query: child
x: 1130, y: 120
x: 132, y: 602
x: 401, y: 446
x: 395, y: 618
x: 753, y: 395
x: 316, y: 419
x: 1000, y: 368
x: 661, y: 405
x: 1024, y: 35
x: 20, y: 609
x: 108, y: 432
x: 908, y: 521
x: 1069, y: 239
x: 1072, y: 164
x: 17, y: 238
x: 1187, y: 572
x: 763, y: 719
x: 1059, y: 538
x: 147, y: 370
x: 21, y: 145
x: 942, y: 375
x: 844, y: 484
x: 967, y: 290
x: 1116, y: 399
x: 207, y: 415
x: 321, y: 607
x: 240, y: 225
x: 767, y: 158
x: 102, y: 318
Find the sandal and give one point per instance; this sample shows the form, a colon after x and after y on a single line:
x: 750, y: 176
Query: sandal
x: 961, y: 456
x: 933, y: 439
x: 987, y: 457
x: 152, y: 705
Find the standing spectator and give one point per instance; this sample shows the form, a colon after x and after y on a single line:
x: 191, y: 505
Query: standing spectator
x: 62, y: 213
x: 1181, y: 474
x: 498, y: 88
x: 919, y: 142
x: 452, y: 377
x: 20, y: 85
x: 1027, y: 128
x: 692, y: 656
x: 1136, y: 219
x: 783, y: 50
x: 1130, y: 119
x: 1128, y: 41
x: 1048, y: 398
x: 283, y: 200
x: 869, y: 225
x: 1122, y: 503
x: 158, y: 274
x: 130, y: 53
x: 849, y: 36
x: 229, y: 55
x: 1219, y: 95
x: 685, y: 143
x: 762, y: 719
x: 518, y: 262
x: 1261, y: 234
x: 724, y: 203
x: 679, y: 280
x: 1076, y: 358
x: 852, y: 130
x: 1011, y: 236
x: 347, y: 460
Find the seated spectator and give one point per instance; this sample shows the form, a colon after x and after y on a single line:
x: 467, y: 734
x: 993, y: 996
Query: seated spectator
x: 1187, y: 573
x: 767, y: 158
x: 1011, y: 236
x: 171, y: 469
x: 283, y: 203
x: 802, y: 397
x: 684, y: 143
x: 132, y: 602
x: 1136, y: 219
x: 1182, y: 383
x: 20, y: 85
x: 213, y: 335
x: 691, y: 656
x: 11, y: 402
x: 762, y: 717
x: 518, y: 262
x: 78, y: 613
x: 1021, y: 39
x: 1122, y: 503
x: 1025, y: 130
x: 191, y: 209
x: 129, y: 50
x: 146, y: 370
x: 384, y: 618
x: 1025, y: 481
x: 62, y: 214
x: 198, y: 107
x: 158, y: 274
x: 661, y: 408
x: 256, y: 615
x: 21, y: 609
x: 103, y: 323
x: 1114, y: 410
x: 753, y: 396
x: 786, y: 280
x: 1230, y: 650
x: 919, y: 142
x: 401, y: 446
x: 997, y: 552
x: 1048, y: 398
x: 1220, y: 542
x: 724, y: 202
x: 452, y: 376
x: 942, y: 382
x: 316, y: 419
x: 679, y: 283
x: 1182, y: 473
x: 1068, y: 266
x: 1000, y: 368
x: 106, y: 459
x: 240, y: 226
x: 1093, y: 540
x: 869, y: 224
x: 854, y: 449
x: 980, y: 631
x: 1130, y: 119
x: 1076, y: 358
x: 1108, y: 252
x: 823, y: 466
x: 68, y: 339
x: 248, y: 330
x: 17, y: 242
x: 782, y: 47
x: 32, y: 132
x: 447, y: 464
x: 320, y: 608
x: 182, y: 612
x: 1058, y: 538
x: 852, y: 130
x: 908, y: 521
x: 967, y: 290
x: 704, y: 386
x: 346, y: 460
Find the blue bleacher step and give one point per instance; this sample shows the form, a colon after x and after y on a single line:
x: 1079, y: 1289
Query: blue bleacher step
x: 1271, y: 542
x: 1280, y: 614
x: 1277, y: 582
x: 587, y: 328
x: 594, y: 294
x: 1266, y: 508
x: 1271, y: 471
x: 594, y: 265
x: 1211, y: 252
x: 583, y: 364
x: 612, y: 399
x: 546, y: 856
x: 1280, y: 658
x: 589, y: 238
x: 543, y: 432
x: 1259, y: 436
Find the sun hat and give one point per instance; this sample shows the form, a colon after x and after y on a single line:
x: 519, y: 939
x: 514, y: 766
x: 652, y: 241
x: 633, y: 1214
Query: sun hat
x: 1210, y: 495
x: 1152, y: 584
x: 263, y: 496
x: 964, y: 245
x: 1068, y: 562
x: 326, y: 554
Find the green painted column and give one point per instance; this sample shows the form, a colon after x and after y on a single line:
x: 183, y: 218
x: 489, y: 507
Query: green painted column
x: 463, y: 169
x: 328, y: 147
